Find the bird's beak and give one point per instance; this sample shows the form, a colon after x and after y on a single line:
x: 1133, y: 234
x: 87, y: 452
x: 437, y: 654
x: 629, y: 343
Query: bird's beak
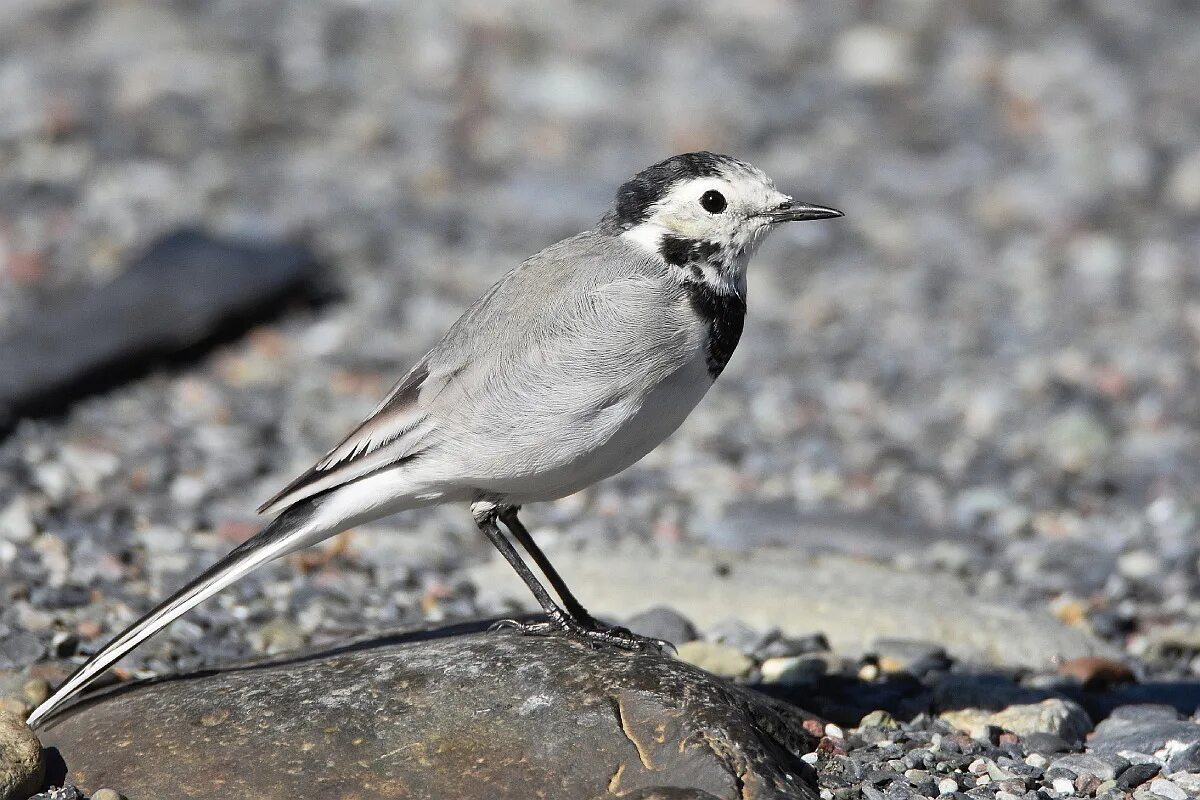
x: 791, y: 211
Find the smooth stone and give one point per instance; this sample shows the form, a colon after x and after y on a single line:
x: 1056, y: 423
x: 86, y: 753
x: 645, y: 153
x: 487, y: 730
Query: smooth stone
x: 853, y: 601
x: 1103, y: 767
x: 21, y: 763
x: 185, y: 289
x: 1144, y: 713
x: 736, y: 633
x: 1189, y: 781
x: 717, y: 658
x: 793, y: 670
x: 662, y: 623
x: 1142, y: 734
x: 1045, y: 743
x: 1186, y: 760
x: 1063, y: 718
x: 1165, y: 788
x: 450, y: 712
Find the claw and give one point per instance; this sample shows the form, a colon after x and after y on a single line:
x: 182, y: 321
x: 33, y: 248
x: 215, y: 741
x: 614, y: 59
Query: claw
x: 505, y: 624
x: 592, y: 633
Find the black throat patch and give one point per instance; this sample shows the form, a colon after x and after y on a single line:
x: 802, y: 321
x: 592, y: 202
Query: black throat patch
x: 679, y: 251
x: 725, y: 313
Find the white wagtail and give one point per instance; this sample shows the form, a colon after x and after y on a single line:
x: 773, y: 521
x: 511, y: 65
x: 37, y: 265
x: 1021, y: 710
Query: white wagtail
x: 575, y: 365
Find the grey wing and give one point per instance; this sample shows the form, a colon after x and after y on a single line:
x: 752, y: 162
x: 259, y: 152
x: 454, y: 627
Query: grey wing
x: 390, y: 433
x: 466, y: 376
x: 376, y: 442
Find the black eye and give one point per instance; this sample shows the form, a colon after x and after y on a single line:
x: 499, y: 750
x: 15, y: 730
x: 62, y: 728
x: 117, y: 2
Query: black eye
x: 713, y: 201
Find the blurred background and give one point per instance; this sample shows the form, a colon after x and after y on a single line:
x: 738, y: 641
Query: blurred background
x: 987, y: 370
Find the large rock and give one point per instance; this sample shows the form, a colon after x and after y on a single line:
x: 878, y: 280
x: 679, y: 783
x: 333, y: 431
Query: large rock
x: 852, y: 601
x: 185, y: 289
x: 21, y: 764
x: 447, y: 713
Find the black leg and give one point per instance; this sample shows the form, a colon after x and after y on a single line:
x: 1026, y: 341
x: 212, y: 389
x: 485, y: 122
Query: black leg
x: 558, y: 620
x: 485, y: 517
x: 508, y: 515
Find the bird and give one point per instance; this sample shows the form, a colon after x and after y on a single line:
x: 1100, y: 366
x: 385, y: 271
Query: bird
x: 572, y: 367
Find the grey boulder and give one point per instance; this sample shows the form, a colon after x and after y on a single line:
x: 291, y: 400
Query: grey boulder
x: 453, y: 712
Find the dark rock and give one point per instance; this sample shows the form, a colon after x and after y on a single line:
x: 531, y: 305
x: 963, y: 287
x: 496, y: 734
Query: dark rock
x: 1045, y: 743
x: 663, y: 623
x: 445, y: 713
x: 1136, y: 775
x: 1148, y: 731
x: 187, y: 289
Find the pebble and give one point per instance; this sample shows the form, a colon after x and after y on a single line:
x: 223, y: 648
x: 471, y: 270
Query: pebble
x: 1186, y: 760
x: 737, y: 634
x: 17, y: 706
x: 1145, y: 730
x: 21, y: 762
x: 792, y: 670
x: 1063, y: 718
x: 1064, y: 786
x: 106, y: 794
x: 904, y: 655
x: 717, y: 658
x: 36, y: 690
x: 661, y: 622
x: 1188, y: 781
x: 1136, y: 775
x: 1102, y: 767
x: 1167, y: 789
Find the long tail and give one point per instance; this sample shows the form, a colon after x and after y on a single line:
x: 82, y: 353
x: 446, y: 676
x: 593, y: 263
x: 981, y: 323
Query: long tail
x: 293, y: 529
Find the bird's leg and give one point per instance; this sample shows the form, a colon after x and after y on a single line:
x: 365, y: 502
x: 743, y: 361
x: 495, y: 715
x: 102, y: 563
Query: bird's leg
x: 508, y: 515
x: 630, y: 640
x: 486, y: 514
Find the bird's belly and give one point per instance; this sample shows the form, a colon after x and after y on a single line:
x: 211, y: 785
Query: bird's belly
x: 569, y: 458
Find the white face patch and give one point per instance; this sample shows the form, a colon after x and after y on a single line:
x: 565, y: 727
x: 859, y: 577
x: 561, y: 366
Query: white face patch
x: 743, y: 195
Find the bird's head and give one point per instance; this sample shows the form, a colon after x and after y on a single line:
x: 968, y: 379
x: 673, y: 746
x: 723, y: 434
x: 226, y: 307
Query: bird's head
x: 705, y: 212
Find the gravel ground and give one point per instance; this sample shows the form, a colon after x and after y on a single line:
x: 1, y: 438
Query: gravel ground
x: 995, y: 348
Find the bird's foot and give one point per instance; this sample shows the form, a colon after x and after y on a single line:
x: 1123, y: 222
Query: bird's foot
x: 589, y: 631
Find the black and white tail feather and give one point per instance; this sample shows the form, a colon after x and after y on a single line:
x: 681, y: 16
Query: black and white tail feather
x: 572, y: 367
x: 291, y: 531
